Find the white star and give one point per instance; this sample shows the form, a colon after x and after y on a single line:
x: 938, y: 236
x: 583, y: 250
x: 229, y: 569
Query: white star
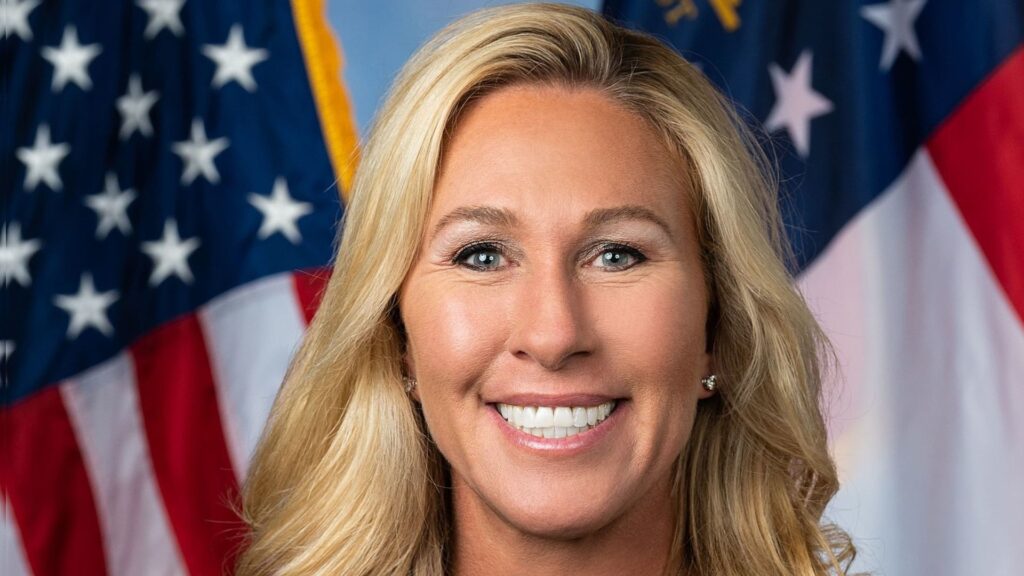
x: 111, y: 207
x: 896, y: 19
x: 162, y: 14
x: 71, y: 60
x: 234, y: 60
x: 41, y: 160
x: 796, y: 103
x: 170, y: 255
x: 6, y: 348
x: 14, y: 255
x: 15, y: 17
x: 87, y: 308
x: 280, y: 212
x: 134, y: 108
x: 198, y: 154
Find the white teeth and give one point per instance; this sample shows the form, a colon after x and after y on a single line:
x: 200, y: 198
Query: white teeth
x: 555, y: 421
x: 529, y: 417
x: 545, y: 417
x: 579, y: 417
x: 563, y: 416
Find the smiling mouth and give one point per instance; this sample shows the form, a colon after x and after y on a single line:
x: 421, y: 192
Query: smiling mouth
x: 555, y: 421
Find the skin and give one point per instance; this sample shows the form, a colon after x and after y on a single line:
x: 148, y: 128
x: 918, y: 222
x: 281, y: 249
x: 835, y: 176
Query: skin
x: 559, y: 307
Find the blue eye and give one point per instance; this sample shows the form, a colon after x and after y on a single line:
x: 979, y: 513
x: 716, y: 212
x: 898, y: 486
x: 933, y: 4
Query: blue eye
x: 618, y: 257
x: 483, y: 257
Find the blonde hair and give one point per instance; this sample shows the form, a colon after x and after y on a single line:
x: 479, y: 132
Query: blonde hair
x: 346, y: 480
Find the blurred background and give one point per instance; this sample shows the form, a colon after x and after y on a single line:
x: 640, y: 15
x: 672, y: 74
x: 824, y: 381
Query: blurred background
x: 172, y: 172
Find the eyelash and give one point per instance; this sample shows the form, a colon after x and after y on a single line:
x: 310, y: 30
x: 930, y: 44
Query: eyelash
x: 476, y: 248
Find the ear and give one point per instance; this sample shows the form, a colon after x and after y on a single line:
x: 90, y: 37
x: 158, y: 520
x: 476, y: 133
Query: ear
x: 708, y: 368
x: 408, y: 364
x: 408, y: 360
x: 409, y: 370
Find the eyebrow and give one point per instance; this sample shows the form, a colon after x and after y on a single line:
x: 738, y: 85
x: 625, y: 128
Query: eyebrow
x: 601, y: 216
x: 487, y: 215
x: 505, y: 218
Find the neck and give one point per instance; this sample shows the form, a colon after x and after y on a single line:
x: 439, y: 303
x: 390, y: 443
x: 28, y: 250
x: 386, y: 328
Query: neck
x: 639, y: 542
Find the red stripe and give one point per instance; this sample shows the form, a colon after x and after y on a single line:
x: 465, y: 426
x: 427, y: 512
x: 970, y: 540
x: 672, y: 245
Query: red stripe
x: 186, y: 441
x: 309, y: 286
x: 979, y: 152
x: 44, y: 476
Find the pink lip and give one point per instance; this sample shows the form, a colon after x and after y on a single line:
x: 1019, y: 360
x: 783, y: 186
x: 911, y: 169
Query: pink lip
x: 560, y: 447
x: 582, y: 400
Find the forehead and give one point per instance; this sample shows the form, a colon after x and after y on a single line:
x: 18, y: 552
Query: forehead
x: 555, y: 151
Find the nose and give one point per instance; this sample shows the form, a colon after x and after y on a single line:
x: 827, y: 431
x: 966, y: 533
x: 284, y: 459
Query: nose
x: 550, y: 322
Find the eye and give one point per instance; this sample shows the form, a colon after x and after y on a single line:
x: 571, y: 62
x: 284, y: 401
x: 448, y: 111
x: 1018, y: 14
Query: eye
x: 482, y: 257
x: 618, y: 257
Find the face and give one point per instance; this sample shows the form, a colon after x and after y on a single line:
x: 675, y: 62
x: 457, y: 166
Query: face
x: 559, y: 270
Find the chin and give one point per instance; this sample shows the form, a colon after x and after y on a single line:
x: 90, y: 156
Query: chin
x: 559, y: 526
x: 561, y: 518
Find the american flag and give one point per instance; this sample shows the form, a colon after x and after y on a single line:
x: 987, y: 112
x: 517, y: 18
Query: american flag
x: 169, y: 207
x: 900, y: 133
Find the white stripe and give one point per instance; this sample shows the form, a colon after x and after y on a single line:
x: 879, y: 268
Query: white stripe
x: 834, y: 289
x: 104, y: 410
x: 933, y: 454
x: 251, y: 334
x: 12, y: 557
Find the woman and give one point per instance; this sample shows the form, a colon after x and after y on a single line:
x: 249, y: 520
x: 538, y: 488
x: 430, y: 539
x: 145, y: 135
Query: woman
x: 559, y: 335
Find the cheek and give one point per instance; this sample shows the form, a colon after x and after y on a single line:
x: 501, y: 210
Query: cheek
x: 657, y: 336
x: 454, y: 337
x: 659, y: 327
x: 455, y: 334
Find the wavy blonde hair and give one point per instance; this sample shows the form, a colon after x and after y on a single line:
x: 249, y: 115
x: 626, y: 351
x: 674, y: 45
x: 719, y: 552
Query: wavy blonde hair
x: 346, y: 480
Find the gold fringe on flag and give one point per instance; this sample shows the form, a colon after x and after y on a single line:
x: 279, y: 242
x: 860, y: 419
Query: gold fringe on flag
x: 324, y: 63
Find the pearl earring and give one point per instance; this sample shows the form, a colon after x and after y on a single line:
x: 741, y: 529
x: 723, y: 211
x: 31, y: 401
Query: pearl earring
x: 410, y: 383
x: 709, y: 382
